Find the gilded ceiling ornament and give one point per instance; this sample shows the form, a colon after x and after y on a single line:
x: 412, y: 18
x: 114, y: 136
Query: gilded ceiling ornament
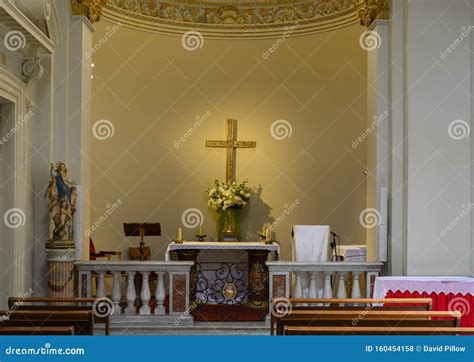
x: 92, y: 9
x: 229, y: 18
x: 372, y: 10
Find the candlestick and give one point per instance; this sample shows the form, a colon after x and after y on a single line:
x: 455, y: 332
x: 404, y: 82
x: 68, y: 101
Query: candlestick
x: 179, y: 235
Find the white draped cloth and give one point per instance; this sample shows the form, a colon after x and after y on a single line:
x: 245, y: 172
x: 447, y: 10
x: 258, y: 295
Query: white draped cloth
x: 310, y: 244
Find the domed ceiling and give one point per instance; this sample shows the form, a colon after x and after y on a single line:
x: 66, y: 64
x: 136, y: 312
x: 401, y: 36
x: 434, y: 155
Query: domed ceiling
x: 258, y: 18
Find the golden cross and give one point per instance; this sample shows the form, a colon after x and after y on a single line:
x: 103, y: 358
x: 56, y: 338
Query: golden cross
x: 231, y: 144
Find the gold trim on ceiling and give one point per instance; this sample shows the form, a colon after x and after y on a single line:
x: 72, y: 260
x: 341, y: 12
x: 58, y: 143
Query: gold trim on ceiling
x: 242, y: 19
x: 92, y: 9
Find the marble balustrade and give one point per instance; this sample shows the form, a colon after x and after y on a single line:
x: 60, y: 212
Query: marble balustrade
x: 131, y: 274
x: 321, y: 279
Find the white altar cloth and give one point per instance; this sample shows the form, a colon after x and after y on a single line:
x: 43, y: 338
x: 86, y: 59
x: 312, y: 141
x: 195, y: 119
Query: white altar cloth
x: 222, y: 245
x: 354, y: 253
x: 436, y: 284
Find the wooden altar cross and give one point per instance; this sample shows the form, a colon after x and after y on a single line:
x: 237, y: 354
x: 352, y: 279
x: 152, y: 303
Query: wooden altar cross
x: 231, y: 144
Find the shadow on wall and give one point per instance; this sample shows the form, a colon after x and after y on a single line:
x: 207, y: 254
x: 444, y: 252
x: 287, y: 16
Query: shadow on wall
x: 260, y: 214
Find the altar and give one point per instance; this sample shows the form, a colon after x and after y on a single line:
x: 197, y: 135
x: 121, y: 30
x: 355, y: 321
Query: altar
x: 229, y: 280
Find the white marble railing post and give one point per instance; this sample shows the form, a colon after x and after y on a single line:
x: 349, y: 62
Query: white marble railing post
x: 298, y: 286
x: 313, y: 290
x: 160, y: 294
x: 101, y: 284
x: 116, y: 294
x: 355, y: 285
x: 341, y: 287
x: 145, y: 295
x: 327, y: 291
x: 131, y: 294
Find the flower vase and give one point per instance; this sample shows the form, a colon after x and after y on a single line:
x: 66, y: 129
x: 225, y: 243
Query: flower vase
x: 228, y: 225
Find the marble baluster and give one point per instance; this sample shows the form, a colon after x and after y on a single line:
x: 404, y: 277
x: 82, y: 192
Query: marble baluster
x: 327, y: 291
x: 298, y: 286
x: 116, y: 294
x: 145, y: 294
x: 131, y: 294
x: 313, y: 288
x: 355, y: 286
x: 341, y: 287
x: 160, y: 294
x: 101, y: 284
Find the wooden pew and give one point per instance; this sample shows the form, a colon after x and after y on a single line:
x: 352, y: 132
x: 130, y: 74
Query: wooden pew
x: 360, y: 304
x: 60, y: 304
x: 82, y: 321
x: 35, y: 331
x: 306, y: 318
x: 344, y: 330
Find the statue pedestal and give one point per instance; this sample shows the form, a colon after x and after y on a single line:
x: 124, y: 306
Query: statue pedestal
x: 60, y: 272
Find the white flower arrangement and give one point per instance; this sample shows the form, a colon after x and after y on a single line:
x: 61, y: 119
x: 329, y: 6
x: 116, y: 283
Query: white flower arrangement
x: 231, y: 195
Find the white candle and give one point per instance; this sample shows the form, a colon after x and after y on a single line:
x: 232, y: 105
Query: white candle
x: 201, y: 230
x: 179, y: 235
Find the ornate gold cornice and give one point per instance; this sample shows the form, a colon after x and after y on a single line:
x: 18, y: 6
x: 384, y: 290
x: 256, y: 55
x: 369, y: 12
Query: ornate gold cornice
x: 92, y: 9
x: 373, y: 10
x: 244, y: 18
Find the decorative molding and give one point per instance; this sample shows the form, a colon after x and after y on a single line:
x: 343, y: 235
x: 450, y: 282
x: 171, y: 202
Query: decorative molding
x: 14, y: 19
x: 92, y: 9
x: 14, y: 90
x: 241, y: 19
x: 374, y: 10
x: 32, y: 70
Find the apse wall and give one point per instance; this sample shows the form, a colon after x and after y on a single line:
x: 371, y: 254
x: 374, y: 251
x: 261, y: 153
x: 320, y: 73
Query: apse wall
x: 161, y: 102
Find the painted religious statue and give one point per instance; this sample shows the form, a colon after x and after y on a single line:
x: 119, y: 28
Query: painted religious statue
x: 62, y: 196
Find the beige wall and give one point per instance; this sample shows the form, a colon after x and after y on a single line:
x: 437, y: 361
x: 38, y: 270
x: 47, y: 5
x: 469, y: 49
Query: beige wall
x: 151, y: 89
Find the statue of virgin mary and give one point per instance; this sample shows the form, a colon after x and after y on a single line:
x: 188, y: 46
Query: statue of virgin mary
x: 62, y: 197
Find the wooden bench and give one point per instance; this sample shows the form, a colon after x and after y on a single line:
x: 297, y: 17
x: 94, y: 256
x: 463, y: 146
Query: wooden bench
x: 360, y: 304
x: 393, y: 318
x: 42, y: 331
x: 59, y: 304
x: 377, y: 331
x: 81, y: 321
